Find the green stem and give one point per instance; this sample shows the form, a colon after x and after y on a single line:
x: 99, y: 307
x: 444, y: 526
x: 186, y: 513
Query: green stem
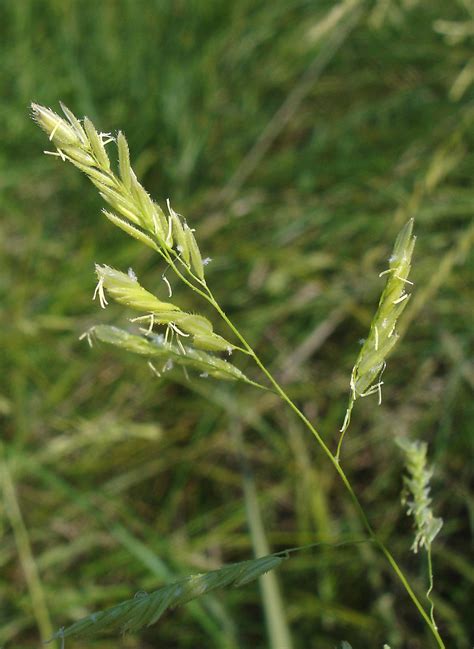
x: 345, y: 426
x: 430, y: 587
x: 25, y: 551
x: 337, y: 466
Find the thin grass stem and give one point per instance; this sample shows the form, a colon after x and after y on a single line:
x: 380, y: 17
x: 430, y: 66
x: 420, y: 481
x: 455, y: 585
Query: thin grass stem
x: 25, y: 552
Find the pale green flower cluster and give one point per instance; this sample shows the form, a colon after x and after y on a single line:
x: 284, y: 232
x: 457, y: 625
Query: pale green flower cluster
x: 135, y: 212
x: 186, y: 335
x: 366, y: 376
x: 125, y: 289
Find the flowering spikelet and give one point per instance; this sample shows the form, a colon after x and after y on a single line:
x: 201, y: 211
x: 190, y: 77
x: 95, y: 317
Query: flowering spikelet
x: 367, y: 372
x: 134, y: 210
x: 382, y: 335
x: 155, y: 347
x: 416, y: 494
x: 125, y: 289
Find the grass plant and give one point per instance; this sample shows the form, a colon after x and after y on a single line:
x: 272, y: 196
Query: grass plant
x: 299, y: 139
x: 172, y: 238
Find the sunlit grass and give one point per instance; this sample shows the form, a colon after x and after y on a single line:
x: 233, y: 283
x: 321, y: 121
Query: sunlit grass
x: 196, y: 89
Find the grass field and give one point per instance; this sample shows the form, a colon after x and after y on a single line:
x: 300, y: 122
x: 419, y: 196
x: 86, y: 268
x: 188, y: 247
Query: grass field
x: 297, y: 138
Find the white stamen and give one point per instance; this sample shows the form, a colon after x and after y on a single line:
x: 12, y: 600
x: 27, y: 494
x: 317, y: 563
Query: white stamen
x: 153, y: 369
x: 380, y: 392
x: 181, y: 346
x: 88, y: 336
x: 99, y: 291
x: 106, y: 138
x: 152, y: 323
x: 168, y: 236
x: 404, y: 279
x: 170, y: 209
x: 165, y: 279
x: 167, y: 334
x: 401, y: 298
x: 53, y: 132
x: 177, y: 330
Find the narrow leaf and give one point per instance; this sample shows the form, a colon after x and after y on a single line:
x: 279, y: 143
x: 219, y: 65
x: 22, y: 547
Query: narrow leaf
x: 146, y: 609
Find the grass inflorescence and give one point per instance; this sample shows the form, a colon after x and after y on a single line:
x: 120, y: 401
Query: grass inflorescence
x: 297, y: 139
x: 80, y: 141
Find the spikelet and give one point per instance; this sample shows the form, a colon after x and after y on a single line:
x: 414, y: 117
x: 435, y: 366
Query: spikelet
x: 382, y: 336
x: 96, y: 144
x: 179, y: 235
x: 56, y: 128
x: 125, y: 289
x: 195, y: 254
x: 416, y: 494
x: 124, y: 160
x: 367, y: 372
x: 140, y: 217
x: 155, y: 347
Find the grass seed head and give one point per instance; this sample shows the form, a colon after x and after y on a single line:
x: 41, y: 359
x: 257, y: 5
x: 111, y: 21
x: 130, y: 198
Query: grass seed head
x: 82, y: 145
x: 416, y: 493
x: 382, y: 335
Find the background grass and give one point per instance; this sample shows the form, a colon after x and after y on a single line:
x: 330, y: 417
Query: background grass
x: 297, y: 141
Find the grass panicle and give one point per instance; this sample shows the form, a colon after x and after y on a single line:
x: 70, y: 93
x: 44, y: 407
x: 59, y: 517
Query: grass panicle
x: 175, y: 242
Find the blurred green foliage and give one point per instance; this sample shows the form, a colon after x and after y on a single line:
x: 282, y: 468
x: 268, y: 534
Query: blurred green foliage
x: 297, y: 138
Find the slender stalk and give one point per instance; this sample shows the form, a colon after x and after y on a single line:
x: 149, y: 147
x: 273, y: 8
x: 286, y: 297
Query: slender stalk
x: 345, y: 426
x: 430, y: 587
x: 337, y: 466
x: 25, y: 552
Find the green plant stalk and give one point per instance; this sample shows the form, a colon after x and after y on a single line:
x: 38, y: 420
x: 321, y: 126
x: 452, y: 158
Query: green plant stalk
x: 430, y: 587
x: 337, y: 466
x: 25, y: 552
